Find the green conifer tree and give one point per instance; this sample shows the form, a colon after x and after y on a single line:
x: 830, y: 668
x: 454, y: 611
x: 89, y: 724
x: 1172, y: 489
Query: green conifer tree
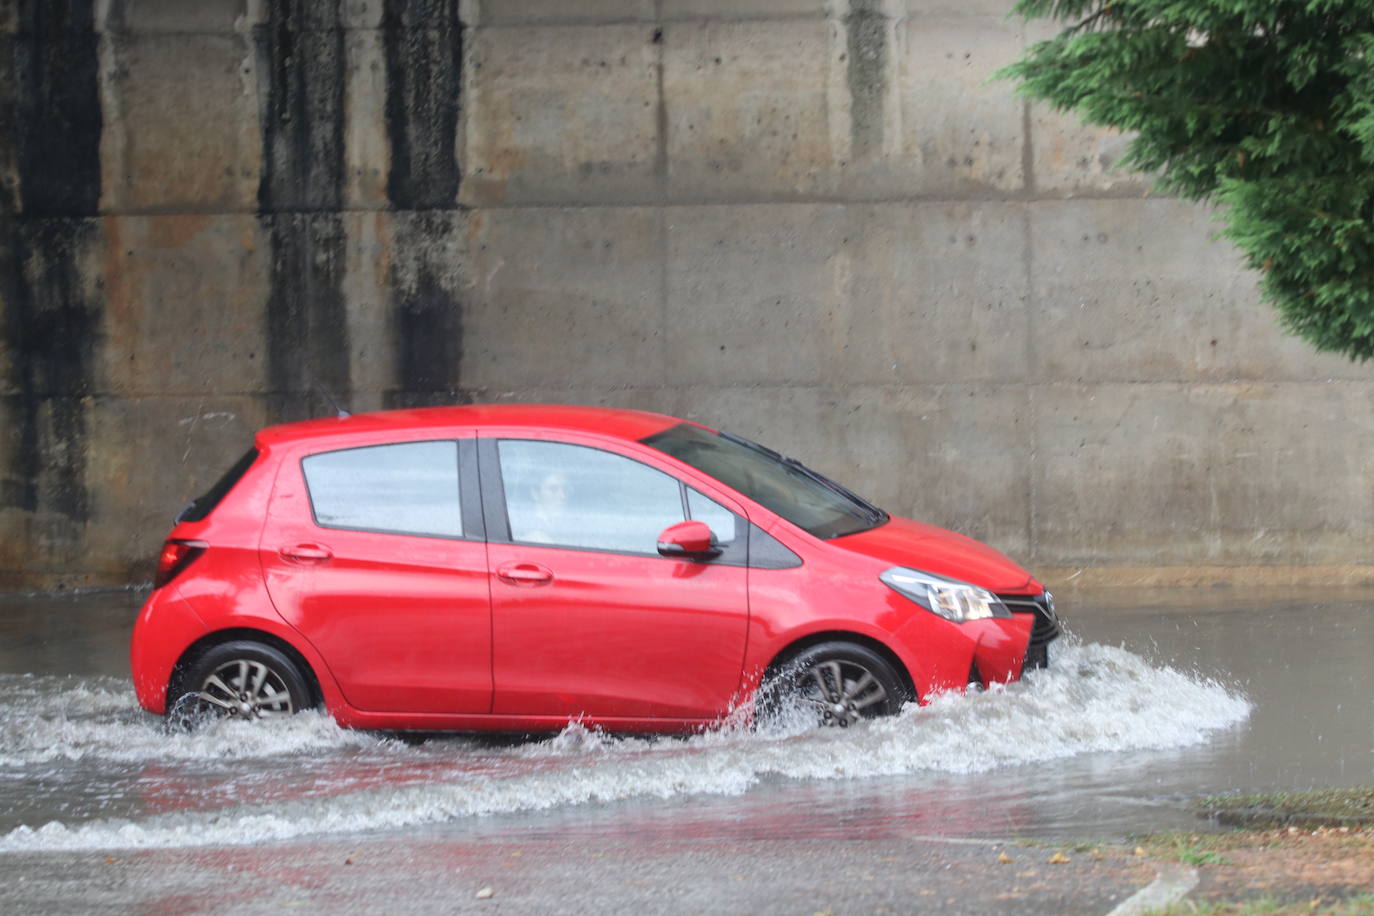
x: 1265, y: 106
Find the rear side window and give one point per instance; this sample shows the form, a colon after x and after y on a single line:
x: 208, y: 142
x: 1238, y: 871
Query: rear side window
x: 406, y: 488
x: 202, y: 505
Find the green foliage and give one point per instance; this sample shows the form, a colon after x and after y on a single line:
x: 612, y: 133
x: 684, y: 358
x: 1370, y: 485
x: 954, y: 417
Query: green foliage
x: 1191, y: 849
x: 1196, y: 856
x: 1266, y: 106
x: 1329, y: 806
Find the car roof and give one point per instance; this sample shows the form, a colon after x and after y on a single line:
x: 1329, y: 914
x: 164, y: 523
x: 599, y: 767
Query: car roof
x: 625, y: 424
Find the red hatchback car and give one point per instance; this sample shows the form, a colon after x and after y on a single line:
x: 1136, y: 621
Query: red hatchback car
x: 514, y: 567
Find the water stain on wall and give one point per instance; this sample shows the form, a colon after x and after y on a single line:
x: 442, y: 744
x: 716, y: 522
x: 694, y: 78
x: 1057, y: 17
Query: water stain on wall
x: 423, y: 41
x: 301, y: 53
x: 426, y: 316
x: 307, y: 331
x: 51, y: 316
x: 866, y: 61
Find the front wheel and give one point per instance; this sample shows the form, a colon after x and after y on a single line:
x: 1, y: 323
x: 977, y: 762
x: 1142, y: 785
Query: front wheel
x: 240, y: 679
x: 839, y: 683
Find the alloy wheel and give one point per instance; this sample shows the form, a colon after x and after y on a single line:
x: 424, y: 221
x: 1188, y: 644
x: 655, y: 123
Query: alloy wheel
x: 246, y: 688
x: 841, y: 691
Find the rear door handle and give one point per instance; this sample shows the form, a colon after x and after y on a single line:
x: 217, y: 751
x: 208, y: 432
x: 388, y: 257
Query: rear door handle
x: 307, y: 553
x: 524, y: 574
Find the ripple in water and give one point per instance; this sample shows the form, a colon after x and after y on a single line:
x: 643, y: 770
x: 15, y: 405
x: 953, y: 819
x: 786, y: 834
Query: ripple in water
x: 236, y: 782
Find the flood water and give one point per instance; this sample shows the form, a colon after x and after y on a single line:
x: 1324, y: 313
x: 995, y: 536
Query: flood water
x: 1155, y: 698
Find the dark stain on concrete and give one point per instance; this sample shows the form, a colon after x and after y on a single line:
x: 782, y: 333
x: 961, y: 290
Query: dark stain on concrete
x: 58, y: 118
x: 660, y: 110
x: 427, y: 316
x: 866, y: 61
x: 307, y: 323
x: 301, y: 49
x: 52, y: 331
x: 50, y: 109
x: 301, y: 53
x: 423, y: 42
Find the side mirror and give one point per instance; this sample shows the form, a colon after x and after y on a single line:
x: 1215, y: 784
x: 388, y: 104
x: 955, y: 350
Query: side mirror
x: 691, y: 540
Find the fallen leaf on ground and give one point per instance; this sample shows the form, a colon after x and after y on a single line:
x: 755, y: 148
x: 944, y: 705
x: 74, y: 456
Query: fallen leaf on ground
x: 1058, y: 859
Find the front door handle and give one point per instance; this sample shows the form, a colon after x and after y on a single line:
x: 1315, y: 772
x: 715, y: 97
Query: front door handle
x: 307, y: 553
x: 524, y: 574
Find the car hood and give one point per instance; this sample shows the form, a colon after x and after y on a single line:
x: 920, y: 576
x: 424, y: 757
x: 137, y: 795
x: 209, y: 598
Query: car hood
x: 904, y: 542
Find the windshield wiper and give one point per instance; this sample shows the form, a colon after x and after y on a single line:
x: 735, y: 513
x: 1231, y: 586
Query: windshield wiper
x: 873, y: 513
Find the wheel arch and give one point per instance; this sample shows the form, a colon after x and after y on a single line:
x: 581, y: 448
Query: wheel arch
x: 801, y: 644
x: 207, y: 642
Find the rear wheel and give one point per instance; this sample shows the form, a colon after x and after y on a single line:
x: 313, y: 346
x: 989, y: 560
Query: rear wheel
x: 839, y: 683
x: 240, y: 679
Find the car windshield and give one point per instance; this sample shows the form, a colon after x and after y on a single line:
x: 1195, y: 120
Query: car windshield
x: 786, y: 486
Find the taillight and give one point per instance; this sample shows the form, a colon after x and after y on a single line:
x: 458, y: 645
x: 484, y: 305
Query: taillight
x: 176, y: 556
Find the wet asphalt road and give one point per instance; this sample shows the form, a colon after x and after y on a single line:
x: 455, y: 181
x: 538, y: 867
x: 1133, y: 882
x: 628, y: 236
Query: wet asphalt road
x: 908, y: 841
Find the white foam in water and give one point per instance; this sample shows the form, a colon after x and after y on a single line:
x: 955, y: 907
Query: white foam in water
x: 1095, y: 699
x: 48, y: 719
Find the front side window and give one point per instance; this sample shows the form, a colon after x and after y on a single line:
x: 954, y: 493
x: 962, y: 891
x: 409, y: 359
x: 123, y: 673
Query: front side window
x: 576, y: 496
x: 719, y: 519
x: 405, y: 488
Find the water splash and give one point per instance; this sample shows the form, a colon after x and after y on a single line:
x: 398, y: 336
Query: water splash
x: 1095, y: 699
x: 48, y: 719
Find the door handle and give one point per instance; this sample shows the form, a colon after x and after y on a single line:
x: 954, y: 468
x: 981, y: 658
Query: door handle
x: 307, y: 553
x: 524, y: 574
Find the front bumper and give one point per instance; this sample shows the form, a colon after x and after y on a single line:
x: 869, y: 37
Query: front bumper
x: 944, y: 654
x: 1045, y: 629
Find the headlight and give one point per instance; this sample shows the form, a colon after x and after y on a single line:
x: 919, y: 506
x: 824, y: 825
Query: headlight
x: 950, y: 598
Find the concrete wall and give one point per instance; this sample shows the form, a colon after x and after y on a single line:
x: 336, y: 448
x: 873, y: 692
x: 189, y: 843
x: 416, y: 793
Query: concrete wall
x: 814, y: 222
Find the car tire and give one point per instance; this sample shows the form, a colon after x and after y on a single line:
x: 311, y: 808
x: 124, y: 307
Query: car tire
x: 840, y: 683
x: 239, y: 679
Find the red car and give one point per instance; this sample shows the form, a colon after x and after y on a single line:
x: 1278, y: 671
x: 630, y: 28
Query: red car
x: 515, y: 567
